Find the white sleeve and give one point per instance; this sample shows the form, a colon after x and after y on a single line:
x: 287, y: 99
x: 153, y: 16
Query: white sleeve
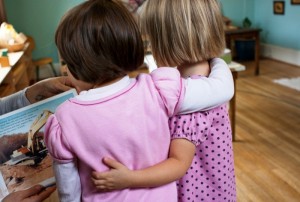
x: 208, y: 92
x: 67, y: 182
x: 13, y: 102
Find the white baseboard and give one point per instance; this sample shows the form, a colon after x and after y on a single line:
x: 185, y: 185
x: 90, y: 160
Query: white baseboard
x: 287, y: 55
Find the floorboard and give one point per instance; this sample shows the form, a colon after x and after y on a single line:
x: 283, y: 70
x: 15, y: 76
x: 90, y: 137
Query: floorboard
x: 267, y: 146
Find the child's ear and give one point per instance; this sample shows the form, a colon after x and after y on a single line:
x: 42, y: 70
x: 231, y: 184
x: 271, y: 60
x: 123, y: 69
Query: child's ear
x: 63, y: 70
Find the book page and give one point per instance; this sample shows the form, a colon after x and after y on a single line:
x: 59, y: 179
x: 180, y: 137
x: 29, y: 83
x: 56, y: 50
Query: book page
x: 24, y: 158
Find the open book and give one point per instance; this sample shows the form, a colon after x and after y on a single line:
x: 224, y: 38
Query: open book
x: 24, y: 159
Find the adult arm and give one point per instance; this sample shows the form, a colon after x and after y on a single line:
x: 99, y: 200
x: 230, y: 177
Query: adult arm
x: 119, y: 177
x: 13, y: 102
x: 36, y: 193
x: 38, y: 91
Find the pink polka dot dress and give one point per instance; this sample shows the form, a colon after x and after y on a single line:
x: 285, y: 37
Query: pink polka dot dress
x: 211, y: 175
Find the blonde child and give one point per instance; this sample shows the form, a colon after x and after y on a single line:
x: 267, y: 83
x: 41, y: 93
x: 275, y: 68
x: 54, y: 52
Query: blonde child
x: 113, y: 115
x: 187, y: 34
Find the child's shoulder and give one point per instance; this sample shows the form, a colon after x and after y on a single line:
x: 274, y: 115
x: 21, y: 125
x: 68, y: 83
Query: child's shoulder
x: 163, y: 76
x: 63, y: 107
x: 165, y: 81
x: 165, y: 73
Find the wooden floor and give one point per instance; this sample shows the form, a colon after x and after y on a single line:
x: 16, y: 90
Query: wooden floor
x: 267, y: 146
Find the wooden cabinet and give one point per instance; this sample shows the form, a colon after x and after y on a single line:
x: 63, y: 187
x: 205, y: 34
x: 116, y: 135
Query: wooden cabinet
x: 18, y: 75
x: 245, y: 33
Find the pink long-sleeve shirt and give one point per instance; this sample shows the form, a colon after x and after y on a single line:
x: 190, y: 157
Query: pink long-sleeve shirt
x: 130, y: 126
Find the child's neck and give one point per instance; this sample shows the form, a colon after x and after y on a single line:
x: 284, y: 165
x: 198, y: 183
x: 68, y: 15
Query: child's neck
x: 198, y: 68
x: 107, y: 83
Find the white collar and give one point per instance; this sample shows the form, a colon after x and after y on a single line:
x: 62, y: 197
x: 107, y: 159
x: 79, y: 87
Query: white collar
x: 102, y: 92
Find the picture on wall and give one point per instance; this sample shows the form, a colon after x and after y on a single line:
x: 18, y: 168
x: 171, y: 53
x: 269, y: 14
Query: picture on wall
x: 278, y: 7
x: 295, y: 2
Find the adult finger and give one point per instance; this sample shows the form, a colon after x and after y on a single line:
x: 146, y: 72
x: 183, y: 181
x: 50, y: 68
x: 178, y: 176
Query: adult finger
x: 31, y: 191
x: 43, y: 194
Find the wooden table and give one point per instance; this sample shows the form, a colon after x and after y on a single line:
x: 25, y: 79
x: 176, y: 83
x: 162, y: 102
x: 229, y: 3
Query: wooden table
x: 235, y: 69
x: 245, y: 33
x: 16, y: 76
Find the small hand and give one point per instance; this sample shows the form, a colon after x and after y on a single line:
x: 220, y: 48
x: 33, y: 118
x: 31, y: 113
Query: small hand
x: 118, y: 177
x: 36, y: 193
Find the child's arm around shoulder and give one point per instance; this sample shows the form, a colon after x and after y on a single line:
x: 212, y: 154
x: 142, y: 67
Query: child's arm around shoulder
x: 120, y: 177
x: 208, y: 92
x: 183, y: 96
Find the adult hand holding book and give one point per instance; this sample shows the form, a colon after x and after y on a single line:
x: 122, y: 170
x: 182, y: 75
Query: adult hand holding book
x: 36, y: 193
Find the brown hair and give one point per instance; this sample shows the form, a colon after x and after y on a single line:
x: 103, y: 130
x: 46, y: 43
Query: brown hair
x: 183, y: 31
x: 99, y: 41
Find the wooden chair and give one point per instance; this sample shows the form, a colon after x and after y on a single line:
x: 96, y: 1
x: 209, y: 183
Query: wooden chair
x: 41, y: 62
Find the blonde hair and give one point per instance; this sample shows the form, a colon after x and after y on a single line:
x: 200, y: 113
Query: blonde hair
x: 183, y: 31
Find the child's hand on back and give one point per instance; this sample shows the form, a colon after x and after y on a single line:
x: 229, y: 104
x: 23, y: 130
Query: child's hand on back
x: 118, y: 177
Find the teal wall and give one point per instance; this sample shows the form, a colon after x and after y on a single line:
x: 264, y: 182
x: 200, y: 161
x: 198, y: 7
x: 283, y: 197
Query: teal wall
x: 238, y: 10
x: 38, y: 18
x: 278, y: 30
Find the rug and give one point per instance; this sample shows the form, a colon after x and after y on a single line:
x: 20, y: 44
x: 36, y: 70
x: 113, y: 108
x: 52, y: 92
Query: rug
x: 289, y: 82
